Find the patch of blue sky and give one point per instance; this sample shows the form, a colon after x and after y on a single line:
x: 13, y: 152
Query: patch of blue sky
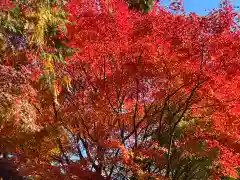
x: 201, y: 7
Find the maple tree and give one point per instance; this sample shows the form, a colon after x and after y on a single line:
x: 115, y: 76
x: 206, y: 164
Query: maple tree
x: 144, y: 95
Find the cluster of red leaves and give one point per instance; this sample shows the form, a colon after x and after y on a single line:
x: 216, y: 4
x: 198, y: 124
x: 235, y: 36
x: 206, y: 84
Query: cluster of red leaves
x: 130, y: 60
x: 6, y: 4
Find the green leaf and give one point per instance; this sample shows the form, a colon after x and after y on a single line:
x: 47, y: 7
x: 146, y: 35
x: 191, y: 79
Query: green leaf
x: 55, y: 57
x: 44, y: 55
x: 11, y: 27
x: 64, y: 29
x: 15, y: 12
x: 58, y: 44
x: 166, y: 155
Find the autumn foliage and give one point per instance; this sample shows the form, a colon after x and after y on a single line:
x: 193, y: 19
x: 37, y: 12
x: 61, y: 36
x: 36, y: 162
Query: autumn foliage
x: 97, y: 90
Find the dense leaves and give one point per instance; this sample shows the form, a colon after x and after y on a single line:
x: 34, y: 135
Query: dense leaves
x: 120, y: 94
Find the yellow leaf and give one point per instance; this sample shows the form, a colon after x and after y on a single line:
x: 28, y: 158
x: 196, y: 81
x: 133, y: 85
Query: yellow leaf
x: 54, y: 151
x: 131, y: 153
x: 49, y: 64
x: 66, y: 80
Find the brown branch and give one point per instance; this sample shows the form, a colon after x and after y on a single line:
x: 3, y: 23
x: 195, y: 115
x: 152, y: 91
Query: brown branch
x: 85, y: 145
x: 172, y: 132
x: 58, y: 139
x: 135, y: 115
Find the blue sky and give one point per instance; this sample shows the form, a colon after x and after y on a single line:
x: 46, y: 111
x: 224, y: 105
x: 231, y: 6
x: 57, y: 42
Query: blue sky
x: 201, y: 7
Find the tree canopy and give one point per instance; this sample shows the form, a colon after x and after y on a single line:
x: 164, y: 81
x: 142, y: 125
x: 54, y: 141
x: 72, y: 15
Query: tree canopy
x: 98, y: 90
